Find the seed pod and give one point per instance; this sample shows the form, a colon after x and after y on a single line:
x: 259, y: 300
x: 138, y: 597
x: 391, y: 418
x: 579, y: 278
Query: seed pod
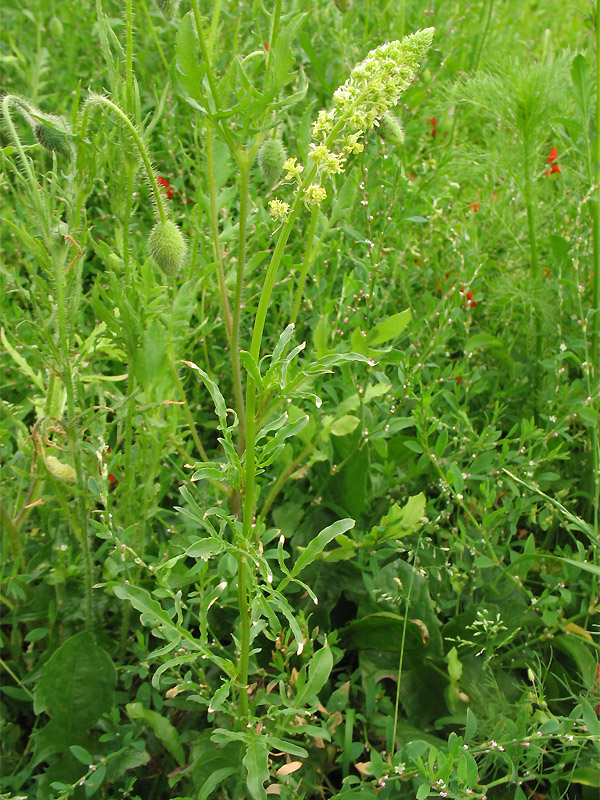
x: 343, y: 5
x: 167, y: 246
x: 271, y: 158
x: 167, y: 7
x: 390, y: 129
x: 62, y: 472
x: 56, y: 28
x: 50, y: 138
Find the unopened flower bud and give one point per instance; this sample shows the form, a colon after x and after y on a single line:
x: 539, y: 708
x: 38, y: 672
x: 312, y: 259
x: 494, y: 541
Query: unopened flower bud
x: 168, y: 8
x: 391, y: 130
x: 167, y: 246
x: 51, y: 138
x: 343, y: 5
x: 271, y: 158
x: 56, y: 28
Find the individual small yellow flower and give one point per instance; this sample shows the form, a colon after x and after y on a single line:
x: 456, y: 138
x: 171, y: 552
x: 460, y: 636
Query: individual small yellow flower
x: 279, y: 209
x: 315, y: 194
x: 351, y: 143
x: 293, y: 169
x: 323, y: 123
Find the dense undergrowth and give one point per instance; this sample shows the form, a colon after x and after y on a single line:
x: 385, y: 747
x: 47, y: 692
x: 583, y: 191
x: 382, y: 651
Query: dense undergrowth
x: 299, y: 439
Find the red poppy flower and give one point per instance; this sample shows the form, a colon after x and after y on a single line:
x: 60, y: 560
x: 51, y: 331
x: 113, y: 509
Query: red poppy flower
x: 433, y: 122
x: 553, y: 155
x: 266, y: 46
x: 554, y: 168
x: 166, y: 186
x: 474, y: 207
x: 469, y: 295
x: 459, y: 379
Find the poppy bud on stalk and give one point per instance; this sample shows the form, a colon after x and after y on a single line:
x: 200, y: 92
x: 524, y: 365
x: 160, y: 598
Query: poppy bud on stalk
x: 50, y: 138
x: 167, y: 246
x: 271, y: 158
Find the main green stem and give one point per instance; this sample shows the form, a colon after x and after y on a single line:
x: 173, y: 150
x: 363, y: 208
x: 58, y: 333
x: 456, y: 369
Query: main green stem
x: 244, y: 166
x: 595, y: 354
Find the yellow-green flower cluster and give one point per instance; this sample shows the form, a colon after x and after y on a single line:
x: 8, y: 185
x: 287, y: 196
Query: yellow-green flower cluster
x: 374, y: 86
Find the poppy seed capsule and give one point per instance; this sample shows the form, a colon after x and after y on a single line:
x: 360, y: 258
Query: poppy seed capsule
x: 51, y: 139
x: 167, y: 246
x: 60, y: 471
x: 271, y: 158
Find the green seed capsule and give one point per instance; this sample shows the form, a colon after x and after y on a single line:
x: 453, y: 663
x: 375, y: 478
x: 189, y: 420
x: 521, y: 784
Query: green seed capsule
x: 271, y: 158
x: 167, y: 247
x: 343, y: 5
x: 60, y: 471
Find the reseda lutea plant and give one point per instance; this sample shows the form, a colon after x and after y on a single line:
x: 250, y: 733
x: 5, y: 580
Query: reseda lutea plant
x: 373, y: 87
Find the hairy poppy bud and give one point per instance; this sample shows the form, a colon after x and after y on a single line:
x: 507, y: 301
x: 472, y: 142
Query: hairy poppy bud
x: 168, y: 7
x: 56, y: 28
x: 50, y: 138
x: 390, y: 129
x: 60, y: 471
x: 167, y: 246
x: 271, y: 158
x: 343, y: 5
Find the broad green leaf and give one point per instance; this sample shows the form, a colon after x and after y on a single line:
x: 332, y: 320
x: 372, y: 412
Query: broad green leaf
x: 283, y: 53
x: 344, y: 425
x: 388, y: 328
x: 76, y: 688
x: 81, y: 754
x: 315, y: 546
x: 590, y: 718
x: 581, y: 85
x: 402, y: 521
x: 319, y: 670
x: 210, y: 784
x: 376, y: 390
x: 385, y: 631
x: 256, y: 762
x: 470, y: 726
x: 189, y: 71
x: 162, y: 728
x: 95, y: 780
